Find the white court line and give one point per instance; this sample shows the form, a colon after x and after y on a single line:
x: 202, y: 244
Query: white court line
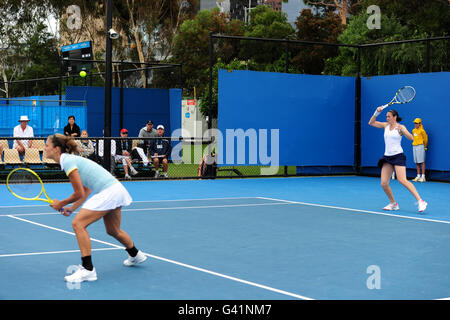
x: 254, y: 284
x: 50, y: 252
x: 357, y: 210
x: 163, y: 208
x: 61, y: 230
x: 141, y: 201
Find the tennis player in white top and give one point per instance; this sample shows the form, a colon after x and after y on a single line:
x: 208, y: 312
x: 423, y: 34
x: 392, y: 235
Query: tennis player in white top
x: 108, y: 197
x: 394, y: 157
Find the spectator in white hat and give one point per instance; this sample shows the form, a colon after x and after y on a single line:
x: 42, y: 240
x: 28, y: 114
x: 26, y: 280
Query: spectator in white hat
x: 23, y: 130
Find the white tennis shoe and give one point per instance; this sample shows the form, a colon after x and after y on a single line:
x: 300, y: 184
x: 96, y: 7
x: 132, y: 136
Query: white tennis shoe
x: 81, y: 275
x: 422, y: 205
x: 133, y: 171
x: 392, y: 207
x: 131, y: 261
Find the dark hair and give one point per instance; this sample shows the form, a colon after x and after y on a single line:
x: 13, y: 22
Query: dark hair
x: 395, y: 114
x: 71, y: 117
x: 65, y: 143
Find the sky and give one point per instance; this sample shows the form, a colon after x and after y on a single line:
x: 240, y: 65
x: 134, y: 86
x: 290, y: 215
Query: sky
x: 293, y: 8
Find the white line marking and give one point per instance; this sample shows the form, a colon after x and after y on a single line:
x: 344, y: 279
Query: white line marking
x: 254, y: 284
x: 141, y: 201
x: 230, y: 277
x: 162, y: 208
x: 29, y: 214
x: 276, y: 202
x: 61, y: 230
x: 50, y: 252
x: 357, y: 210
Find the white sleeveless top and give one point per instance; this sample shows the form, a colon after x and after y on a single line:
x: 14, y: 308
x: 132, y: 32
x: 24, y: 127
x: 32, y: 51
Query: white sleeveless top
x: 392, y: 141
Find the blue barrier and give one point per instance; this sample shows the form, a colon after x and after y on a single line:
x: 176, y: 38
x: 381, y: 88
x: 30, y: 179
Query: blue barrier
x: 139, y: 106
x: 314, y: 116
x: 45, y: 114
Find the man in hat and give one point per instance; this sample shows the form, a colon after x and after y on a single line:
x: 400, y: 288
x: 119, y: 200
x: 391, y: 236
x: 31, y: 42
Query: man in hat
x: 146, y: 132
x: 159, y: 150
x: 420, y: 144
x: 23, y: 130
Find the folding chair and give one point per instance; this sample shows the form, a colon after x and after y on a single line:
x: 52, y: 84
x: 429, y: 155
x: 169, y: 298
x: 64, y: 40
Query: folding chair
x: 11, y: 156
x: 32, y: 156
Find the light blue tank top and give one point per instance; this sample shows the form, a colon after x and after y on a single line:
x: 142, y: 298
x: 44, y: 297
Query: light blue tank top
x: 93, y: 176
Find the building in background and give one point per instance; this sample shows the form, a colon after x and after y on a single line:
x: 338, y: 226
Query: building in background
x: 275, y: 4
x: 240, y: 9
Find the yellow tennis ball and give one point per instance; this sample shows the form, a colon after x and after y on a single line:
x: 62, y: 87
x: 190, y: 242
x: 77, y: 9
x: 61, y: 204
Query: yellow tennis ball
x: 83, y: 73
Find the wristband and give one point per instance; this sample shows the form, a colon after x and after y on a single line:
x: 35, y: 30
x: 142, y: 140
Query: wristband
x: 376, y: 113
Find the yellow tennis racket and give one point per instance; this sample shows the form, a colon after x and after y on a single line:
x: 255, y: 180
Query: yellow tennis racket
x: 26, y: 184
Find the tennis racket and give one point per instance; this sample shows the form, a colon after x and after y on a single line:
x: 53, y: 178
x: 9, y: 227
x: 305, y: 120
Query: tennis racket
x: 25, y: 184
x: 404, y: 95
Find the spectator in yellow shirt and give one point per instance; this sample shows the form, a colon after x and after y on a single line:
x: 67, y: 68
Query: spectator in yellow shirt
x: 420, y: 144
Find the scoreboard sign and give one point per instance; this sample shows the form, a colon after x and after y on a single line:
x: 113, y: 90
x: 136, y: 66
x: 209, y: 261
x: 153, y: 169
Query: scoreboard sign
x: 82, y: 51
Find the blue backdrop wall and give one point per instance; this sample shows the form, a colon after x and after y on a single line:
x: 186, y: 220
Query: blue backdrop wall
x: 139, y: 106
x: 45, y: 114
x: 314, y: 115
x: 431, y: 104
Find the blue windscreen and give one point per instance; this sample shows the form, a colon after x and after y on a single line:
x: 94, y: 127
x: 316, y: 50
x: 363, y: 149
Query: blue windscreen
x: 46, y: 114
x: 139, y: 106
x: 307, y: 119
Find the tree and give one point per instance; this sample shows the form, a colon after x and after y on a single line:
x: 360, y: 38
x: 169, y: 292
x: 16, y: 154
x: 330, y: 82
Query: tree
x: 343, y: 7
x: 431, y: 17
x: 23, y: 41
x: 311, y: 58
x: 146, y: 27
x: 265, y: 23
x: 383, y: 60
x: 191, y: 46
x: 152, y: 26
x: 400, y: 20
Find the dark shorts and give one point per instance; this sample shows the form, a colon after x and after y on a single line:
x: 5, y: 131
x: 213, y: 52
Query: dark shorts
x: 395, y: 160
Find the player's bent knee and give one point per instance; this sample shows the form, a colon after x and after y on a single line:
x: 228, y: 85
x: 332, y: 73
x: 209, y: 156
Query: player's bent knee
x: 77, y: 225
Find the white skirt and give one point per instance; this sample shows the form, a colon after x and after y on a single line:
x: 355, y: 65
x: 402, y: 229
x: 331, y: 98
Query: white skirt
x: 111, y: 198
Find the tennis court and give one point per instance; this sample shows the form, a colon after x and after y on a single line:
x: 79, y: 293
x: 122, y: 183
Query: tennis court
x: 246, y: 239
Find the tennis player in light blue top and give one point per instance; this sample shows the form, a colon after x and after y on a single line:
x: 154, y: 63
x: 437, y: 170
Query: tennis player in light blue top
x: 108, y: 198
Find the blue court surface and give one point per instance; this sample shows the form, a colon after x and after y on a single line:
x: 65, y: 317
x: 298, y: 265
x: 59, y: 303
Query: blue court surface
x: 321, y: 238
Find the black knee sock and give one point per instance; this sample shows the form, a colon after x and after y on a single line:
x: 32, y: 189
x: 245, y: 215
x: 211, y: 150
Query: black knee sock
x: 87, y: 263
x: 132, y: 251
